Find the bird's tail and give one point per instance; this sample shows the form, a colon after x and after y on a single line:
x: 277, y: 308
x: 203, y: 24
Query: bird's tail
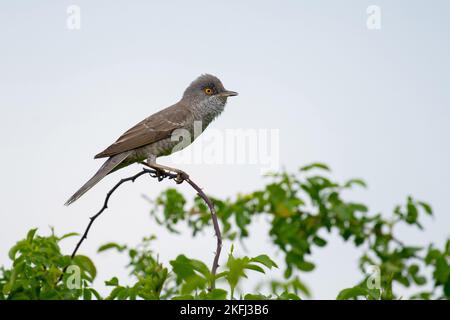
x: 104, y: 170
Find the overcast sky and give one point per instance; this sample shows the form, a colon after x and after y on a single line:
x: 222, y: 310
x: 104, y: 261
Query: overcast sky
x: 373, y: 104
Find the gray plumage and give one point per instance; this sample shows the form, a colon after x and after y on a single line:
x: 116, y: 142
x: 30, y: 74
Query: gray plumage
x: 203, y: 100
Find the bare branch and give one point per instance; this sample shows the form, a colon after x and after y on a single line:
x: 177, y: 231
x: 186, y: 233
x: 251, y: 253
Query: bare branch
x: 202, y: 195
x: 161, y: 175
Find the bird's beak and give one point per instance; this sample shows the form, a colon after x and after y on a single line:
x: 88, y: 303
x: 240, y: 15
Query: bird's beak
x: 228, y: 94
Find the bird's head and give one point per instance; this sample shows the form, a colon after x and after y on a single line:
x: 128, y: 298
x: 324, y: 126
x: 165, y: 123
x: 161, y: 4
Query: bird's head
x: 207, y: 87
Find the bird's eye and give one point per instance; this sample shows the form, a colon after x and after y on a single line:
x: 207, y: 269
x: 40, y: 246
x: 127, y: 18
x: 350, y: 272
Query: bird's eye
x: 208, y: 91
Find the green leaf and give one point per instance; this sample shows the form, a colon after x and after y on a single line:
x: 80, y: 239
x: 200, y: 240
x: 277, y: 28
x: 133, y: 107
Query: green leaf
x: 352, y: 182
x: 306, y: 266
x: 413, y: 269
x: 112, y: 282
x: 7, y: 288
x: 288, y: 296
x: 200, y: 267
x: 111, y: 245
x: 412, y: 212
x: 85, y: 263
x: 182, y: 268
x: 96, y: 294
x: 425, y: 206
x: 358, y: 207
x: 17, y: 247
x: 87, y: 294
x: 68, y: 235
x: 419, y: 280
x: 316, y: 165
x: 192, y: 283
x: 447, y: 289
x: 408, y: 252
x: 184, y: 297
x: 115, y: 293
x: 215, y: 294
x: 251, y: 296
x: 254, y: 267
x: 319, y: 241
x: 351, y: 293
x: 236, y: 267
x: 185, y: 267
x: 192, y: 274
x: 31, y: 234
x: 265, y: 260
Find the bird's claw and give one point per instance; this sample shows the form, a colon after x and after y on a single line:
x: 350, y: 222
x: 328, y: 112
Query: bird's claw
x: 159, y: 174
x: 181, y: 176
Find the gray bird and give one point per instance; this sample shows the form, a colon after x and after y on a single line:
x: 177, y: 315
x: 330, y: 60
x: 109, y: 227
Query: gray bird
x: 202, y: 102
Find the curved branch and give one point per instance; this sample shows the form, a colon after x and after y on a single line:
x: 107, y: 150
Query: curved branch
x: 160, y: 175
x: 205, y: 198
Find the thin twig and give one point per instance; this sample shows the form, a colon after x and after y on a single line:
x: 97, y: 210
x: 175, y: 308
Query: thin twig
x: 160, y: 175
x: 202, y: 195
x: 105, y: 206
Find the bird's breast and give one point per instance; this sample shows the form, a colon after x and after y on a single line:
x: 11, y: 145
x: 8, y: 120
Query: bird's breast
x: 206, y: 112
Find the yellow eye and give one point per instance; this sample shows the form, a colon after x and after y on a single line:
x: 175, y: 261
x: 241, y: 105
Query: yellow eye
x: 208, y: 91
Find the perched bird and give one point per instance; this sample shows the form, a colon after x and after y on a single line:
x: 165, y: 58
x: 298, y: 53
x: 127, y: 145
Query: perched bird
x: 202, y: 102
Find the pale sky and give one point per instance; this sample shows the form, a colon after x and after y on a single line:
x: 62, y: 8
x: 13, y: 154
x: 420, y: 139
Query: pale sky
x: 373, y: 104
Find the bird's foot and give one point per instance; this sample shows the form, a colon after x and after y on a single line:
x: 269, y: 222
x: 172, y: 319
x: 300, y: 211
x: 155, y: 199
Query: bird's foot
x: 181, y: 176
x: 160, y: 174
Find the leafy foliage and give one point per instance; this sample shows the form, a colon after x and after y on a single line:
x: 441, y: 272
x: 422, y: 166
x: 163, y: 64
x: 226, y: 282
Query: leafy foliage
x: 37, y: 267
x: 303, y: 209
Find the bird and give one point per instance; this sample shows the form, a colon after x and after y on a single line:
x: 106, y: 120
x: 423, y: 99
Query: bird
x: 158, y: 135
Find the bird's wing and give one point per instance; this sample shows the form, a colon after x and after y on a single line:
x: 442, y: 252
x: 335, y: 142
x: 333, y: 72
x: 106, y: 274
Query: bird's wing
x: 154, y: 128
